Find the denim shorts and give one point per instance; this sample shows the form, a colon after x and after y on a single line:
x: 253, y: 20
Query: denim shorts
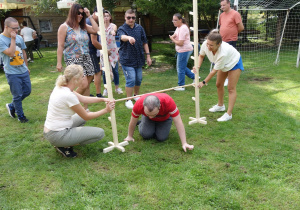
x: 133, y: 76
x: 239, y: 65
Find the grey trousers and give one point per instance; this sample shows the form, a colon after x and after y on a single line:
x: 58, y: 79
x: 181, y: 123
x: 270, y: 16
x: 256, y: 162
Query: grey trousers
x: 150, y: 129
x: 75, y: 135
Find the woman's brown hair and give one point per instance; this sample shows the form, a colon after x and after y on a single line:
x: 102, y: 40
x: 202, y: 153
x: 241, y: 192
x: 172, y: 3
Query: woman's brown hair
x: 72, y: 17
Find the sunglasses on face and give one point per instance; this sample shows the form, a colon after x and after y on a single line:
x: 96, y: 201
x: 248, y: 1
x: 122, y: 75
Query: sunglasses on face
x: 80, y: 13
x: 129, y: 17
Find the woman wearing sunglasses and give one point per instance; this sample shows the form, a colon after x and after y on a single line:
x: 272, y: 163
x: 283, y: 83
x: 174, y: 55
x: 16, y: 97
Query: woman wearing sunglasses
x: 73, y: 43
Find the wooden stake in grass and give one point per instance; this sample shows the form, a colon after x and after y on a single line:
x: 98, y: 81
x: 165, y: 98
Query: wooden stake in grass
x: 112, y: 118
x: 196, y: 119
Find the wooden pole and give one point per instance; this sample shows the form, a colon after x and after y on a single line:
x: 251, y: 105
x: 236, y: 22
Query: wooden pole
x: 112, y: 118
x: 159, y: 91
x: 196, y: 63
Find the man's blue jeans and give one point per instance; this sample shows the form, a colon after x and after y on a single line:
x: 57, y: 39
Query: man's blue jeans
x: 20, y: 88
x: 182, y: 69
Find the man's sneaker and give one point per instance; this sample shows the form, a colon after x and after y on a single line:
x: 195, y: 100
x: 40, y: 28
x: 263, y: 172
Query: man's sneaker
x: 217, y: 108
x: 11, y: 111
x: 180, y: 89
x: 137, y: 98
x: 100, y: 95
x: 119, y: 91
x: 91, y: 95
x: 105, y: 92
x: 66, y: 151
x: 129, y: 104
x: 224, y: 118
x: 22, y: 119
x: 74, y: 154
x: 226, y: 82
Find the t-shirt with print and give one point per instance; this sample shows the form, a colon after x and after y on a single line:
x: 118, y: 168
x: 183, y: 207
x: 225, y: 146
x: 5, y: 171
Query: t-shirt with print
x: 225, y: 58
x: 167, y: 107
x: 183, y: 33
x: 16, y: 64
x: 59, y: 114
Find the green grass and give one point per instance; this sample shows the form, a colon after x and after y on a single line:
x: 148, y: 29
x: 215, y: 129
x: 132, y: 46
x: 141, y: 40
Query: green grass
x: 250, y: 162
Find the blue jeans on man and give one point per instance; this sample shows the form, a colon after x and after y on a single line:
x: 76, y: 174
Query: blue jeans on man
x: 182, y: 69
x: 20, y: 88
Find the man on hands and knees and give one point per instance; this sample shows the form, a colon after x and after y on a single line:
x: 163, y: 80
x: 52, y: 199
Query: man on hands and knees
x: 158, y: 110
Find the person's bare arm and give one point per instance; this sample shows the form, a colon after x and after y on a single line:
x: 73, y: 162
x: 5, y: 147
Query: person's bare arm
x: 61, y: 36
x: 240, y: 27
x: 131, y: 127
x: 181, y: 132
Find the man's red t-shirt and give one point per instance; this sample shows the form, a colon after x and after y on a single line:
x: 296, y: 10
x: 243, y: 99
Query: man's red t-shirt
x: 167, y: 107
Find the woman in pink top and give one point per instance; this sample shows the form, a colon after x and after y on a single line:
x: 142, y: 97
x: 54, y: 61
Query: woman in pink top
x: 184, y: 49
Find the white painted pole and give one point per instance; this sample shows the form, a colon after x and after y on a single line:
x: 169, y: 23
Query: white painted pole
x: 197, y: 119
x: 298, y: 56
x: 115, y: 143
x: 279, y: 47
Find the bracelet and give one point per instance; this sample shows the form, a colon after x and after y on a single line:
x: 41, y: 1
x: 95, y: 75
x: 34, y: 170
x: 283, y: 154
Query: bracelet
x: 147, y: 53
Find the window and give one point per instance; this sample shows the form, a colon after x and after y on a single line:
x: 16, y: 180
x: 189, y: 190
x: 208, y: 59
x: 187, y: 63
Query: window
x: 45, y: 26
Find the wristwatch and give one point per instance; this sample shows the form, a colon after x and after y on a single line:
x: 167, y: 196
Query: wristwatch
x: 204, y: 83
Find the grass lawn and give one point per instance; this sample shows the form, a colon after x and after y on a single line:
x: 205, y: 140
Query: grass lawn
x: 250, y: 162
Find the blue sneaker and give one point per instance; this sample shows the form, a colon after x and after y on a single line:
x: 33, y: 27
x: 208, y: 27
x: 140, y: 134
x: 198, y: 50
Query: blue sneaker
x: 22, y: 119
x: 11, y: 111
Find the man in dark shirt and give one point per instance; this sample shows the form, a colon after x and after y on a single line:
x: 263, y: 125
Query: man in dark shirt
x: 133, y: 41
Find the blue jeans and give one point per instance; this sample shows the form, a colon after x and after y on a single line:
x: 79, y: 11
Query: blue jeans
x: 182, y: 69
x: 158, y: 130
x: 133, y: 76
x: 115, y: 73
x: 20, y: 88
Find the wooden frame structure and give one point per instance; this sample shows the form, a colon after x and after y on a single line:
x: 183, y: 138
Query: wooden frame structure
x: 112, y: 118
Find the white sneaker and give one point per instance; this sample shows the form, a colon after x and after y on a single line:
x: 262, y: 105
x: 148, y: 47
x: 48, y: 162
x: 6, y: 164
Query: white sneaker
x: 105, y: 92
x: 129, y: 104
x: 226, y: 82
x: 224, y: 118
x: 119, y: 91
x: 217, y: 108
x: 137, y: 98
x: 179, y: 89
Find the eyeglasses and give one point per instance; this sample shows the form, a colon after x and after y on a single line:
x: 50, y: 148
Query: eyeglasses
x: 129, y: 17
x: 80, y: 13
x: 18, y: 28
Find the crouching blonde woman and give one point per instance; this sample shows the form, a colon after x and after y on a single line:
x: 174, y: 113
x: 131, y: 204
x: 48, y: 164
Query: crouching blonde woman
x: 65, y: 116
x: 227, y: 63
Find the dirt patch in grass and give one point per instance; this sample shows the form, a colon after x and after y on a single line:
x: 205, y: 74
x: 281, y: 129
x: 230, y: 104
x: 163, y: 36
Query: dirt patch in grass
x: 161, y: 67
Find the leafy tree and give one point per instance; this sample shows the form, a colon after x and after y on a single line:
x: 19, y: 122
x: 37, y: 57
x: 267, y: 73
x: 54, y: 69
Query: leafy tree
x: 51, y: 5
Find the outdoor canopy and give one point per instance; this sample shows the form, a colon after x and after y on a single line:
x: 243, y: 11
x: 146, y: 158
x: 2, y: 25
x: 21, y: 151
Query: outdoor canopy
x: 15, y: 4
x: 65, y: 4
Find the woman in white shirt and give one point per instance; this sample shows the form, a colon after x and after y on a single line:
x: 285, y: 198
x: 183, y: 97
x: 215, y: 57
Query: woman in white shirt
x: 227, y: 63
x: 66, y: 116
